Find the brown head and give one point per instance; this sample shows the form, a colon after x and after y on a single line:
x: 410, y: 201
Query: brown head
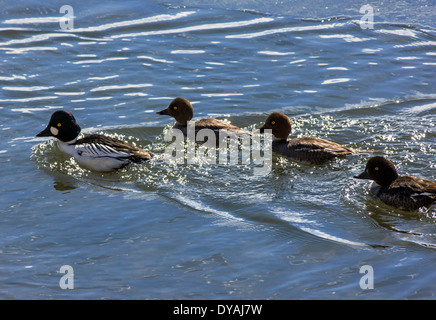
x: 280, y: 125
x: 180, y: 109
x: 380, y: 170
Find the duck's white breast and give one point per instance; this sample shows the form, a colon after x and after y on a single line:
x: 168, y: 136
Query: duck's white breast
x: 96, y: 157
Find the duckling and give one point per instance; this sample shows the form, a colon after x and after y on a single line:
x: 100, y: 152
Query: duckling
x: 402, y: 192
x: 95, y: 152
x: 309, y: 149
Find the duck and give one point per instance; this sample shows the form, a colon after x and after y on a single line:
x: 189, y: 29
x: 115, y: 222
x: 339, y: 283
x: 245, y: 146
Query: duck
x: 95, y: 151
x: 306, y: 149
x: 182, y: 111
x: 406, y: 193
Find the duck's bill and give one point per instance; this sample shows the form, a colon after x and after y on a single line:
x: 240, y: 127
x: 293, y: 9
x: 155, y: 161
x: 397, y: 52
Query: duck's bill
x: 163, y: 112
x: 262, y: 129
x: 363, y: 175
x: 45, y: 133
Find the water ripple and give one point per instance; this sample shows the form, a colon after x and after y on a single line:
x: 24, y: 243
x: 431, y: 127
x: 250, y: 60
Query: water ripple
x: 121, y: 87
x: 285, y: 30
x: 26, y: 89
x: 202, y: 27
x: 135, y: 22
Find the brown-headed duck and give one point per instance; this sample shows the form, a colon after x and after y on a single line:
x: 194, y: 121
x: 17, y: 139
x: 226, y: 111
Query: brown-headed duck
x: 403, y: 192
x: 181, y: 109
x: 308, y: 149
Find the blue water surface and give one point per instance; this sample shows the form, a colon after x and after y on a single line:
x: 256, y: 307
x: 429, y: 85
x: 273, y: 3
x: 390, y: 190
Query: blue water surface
x: 216, y: 231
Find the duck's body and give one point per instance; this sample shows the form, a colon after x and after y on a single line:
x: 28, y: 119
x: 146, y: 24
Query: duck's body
x: 402, y: 192
x: 103, y: 153
x: 308, y: 149
x: 208, y: 123
x: 181, y: 109
x: 95, y: 152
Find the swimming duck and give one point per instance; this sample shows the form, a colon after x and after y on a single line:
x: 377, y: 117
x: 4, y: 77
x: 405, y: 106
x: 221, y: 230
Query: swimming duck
x: 403, y: 192
x: 95, y: 152
x: 181, y: 109
x: 309, y: 149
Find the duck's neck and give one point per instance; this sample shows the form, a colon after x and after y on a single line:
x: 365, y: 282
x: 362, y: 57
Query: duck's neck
x: 184, y: 122
x: 73, y: 141
x: 181, y: 123
x: 280, y: 140
x: 388, y: 179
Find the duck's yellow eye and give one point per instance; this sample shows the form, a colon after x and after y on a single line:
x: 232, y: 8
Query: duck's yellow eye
x: 59, y: 125
x: 273, y: 122
x: 376, y: 168
x: 174, y: 108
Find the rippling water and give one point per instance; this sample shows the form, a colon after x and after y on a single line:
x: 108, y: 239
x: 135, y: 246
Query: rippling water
x: 199, y: 231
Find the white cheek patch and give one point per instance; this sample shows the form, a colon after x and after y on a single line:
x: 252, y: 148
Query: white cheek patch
x: 54, y: 131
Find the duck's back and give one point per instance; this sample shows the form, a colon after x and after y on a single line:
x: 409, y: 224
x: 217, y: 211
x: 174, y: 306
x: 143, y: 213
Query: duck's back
x: 407, y: 193
x: 133, y: 153
x: 311, y: 149
x: 217, y: 126
x: 214, y: 124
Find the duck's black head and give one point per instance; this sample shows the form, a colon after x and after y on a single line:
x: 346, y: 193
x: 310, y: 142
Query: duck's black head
x: 62, y: 125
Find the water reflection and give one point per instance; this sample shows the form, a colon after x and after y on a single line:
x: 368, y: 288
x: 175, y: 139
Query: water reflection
x: 60, y: 185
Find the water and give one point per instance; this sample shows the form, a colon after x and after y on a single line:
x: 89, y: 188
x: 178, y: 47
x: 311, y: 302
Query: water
x: 156, y: 231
